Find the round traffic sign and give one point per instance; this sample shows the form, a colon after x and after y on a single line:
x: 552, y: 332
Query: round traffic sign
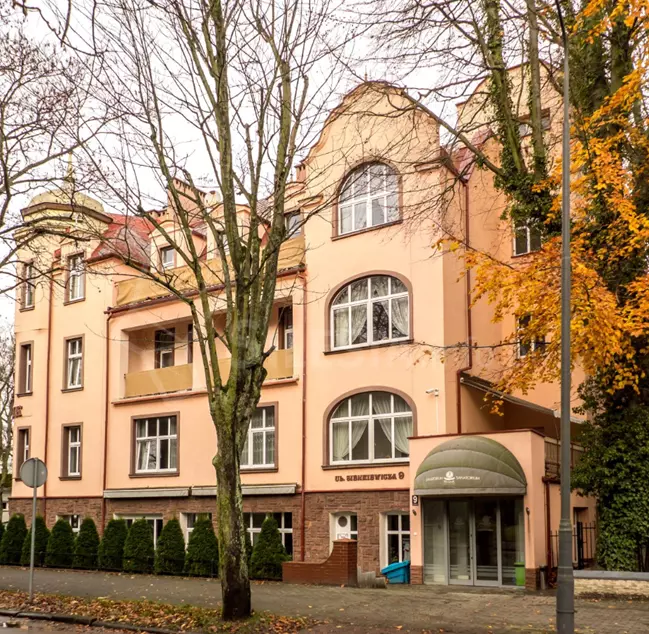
x: 33, y: 472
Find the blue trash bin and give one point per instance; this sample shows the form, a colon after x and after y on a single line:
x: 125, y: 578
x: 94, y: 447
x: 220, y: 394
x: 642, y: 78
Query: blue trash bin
x: 397, y: 573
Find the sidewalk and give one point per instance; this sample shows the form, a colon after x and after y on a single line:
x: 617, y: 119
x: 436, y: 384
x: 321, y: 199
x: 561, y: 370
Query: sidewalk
x: 399, y: 608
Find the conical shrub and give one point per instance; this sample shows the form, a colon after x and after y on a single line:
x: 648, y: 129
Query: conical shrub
x: 111, y: 548
x: 11, y: 546
x: 138, y: 547
x: 170, y: 550
x: 202, y: 557
x: 60, y: 545
x: 40, y: 545
x: 268, y: 553
x: 86, y: 546
x: 2, y: 531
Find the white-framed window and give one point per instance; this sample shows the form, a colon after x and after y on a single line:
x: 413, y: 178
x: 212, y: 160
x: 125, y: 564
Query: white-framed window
x: 293, y: 224
x: 155, y: 522
x: 525, y: 127
x: 74, y: 521
x: 253, y: 522
x: 524, y: 347
x: 26, y: 373
x: 23, y: 448
x: 397, y: 530
x: 28, y: 288
x: 527, y: 238
x: 165, y: 348
x: 370, y: 427
x: 74, y: 362
x: 156, y: 441
x: 286, y: 327
x: 259, y: 448
x: 369, y: 311
x: 190, y: 343
x: 344, y: 526
x: 167, y: 258
x: 190, y: 519
x: 76, y: 278
x: 74, y: 450
x: 368, y: 198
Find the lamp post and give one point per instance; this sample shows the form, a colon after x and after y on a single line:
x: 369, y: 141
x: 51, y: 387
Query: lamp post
x: 566, y: 581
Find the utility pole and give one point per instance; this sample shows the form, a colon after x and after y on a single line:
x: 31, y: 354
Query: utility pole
x: 566, y: 581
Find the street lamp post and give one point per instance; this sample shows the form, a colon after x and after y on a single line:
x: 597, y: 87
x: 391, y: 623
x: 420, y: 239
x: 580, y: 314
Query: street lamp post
x: 566, y: 581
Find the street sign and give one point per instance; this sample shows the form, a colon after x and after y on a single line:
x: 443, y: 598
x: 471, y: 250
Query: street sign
x: 33, y: 473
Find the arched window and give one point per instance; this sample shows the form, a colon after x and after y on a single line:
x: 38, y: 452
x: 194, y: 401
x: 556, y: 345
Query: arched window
x: 369, y: 311
x: 368, y: 198
x: 370, y: 427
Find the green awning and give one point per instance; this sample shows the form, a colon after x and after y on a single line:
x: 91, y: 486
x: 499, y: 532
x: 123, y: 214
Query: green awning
x: 470, y: 465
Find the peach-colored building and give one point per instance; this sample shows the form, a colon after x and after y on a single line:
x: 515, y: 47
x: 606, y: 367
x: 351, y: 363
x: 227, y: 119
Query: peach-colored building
x: 372, y: 422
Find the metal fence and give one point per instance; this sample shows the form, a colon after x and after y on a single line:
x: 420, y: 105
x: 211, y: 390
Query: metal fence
x: 584, y: 545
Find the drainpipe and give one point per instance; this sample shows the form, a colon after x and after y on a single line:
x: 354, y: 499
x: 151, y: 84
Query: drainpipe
x: 47, y: 388
x: 548, y: 527
x: 469, y: 330
x: 304, y: 357
x: 106, y: 399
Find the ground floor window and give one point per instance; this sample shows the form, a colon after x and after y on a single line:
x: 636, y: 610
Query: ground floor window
x: 73, y: 520
x: 253, y: 522
x: 189, y: 519
x: 344, y: 526
x: 398, y: 537
x: 154, y: 521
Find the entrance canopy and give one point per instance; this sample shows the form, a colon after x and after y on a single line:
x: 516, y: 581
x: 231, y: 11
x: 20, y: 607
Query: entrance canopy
x: 470, y: 465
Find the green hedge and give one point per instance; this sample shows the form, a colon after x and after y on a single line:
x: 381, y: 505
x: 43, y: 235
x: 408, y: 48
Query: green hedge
x: 202, y: 550
x: 40, y: 546
x: 170, y: 550
x: 11, y: 546
x: 111, y: 548
x: 60, y: 546
x: 138, y: 548
x: 86, y: 546
x: 268, y: 553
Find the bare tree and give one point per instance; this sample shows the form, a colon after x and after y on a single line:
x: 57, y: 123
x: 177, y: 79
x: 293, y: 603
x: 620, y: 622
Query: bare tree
x: 7, y: 369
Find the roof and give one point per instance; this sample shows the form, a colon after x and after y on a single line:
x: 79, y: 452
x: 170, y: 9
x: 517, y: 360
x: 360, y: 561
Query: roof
x: 127, y: 237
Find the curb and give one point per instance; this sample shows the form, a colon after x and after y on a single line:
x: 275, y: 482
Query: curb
x: 86, y: 620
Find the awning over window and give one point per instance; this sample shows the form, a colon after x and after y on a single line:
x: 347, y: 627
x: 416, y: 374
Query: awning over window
x: 470, y: 465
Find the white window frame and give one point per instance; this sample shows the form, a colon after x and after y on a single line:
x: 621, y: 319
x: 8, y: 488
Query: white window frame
x: 370, y: 418
x: 532, y: 345
x: 28, y: 293
x: 73, y: 355
x: 246, y: 462
x: 74, y: 447
x: 76, y: 278
x: 188, y: 526
x: 369, y: 302
x: 400, y: 532
x: 283, y: 529
x: 167, y: 264
x: 528, y: 238
x: 333, y: 526
x: 149, y: 517
x: 25, y: 448
x: 287, y: 342
x: 161, y: 351
x: 293, y: 224
x: 389, y: 190
x: 143, y: 441
x: 70, y: 519
x: 28, y: 376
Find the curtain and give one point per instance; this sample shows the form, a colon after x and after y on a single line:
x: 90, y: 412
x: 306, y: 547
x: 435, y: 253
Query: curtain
x: 402, y: 429
x: 400, y: 317
x: 358, y: 429
x: 340, y: 441
x: 359, y: 321
x: 341, y: 327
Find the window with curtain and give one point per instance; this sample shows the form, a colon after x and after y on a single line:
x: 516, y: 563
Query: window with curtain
x: 368, y: 311
x: 368, y: 198
x: 370, y: 427
x: 156, y: 444
x: 259, y: 447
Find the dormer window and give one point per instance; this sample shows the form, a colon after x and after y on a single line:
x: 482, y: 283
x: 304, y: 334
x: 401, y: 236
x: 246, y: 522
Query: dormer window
x: 167, y: 258
x: 368, y: 198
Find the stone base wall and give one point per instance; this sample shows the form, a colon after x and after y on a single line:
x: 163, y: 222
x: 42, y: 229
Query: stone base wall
x: 532, y: 580
x: 52, y: 508
x: 623, y: 588
x: 340, y: 569
x: 416, y: 575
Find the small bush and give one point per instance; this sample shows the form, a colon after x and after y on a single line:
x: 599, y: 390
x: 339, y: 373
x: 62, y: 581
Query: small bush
x: 111, y: 548
x: 269, y: 553
x: 40, y: 545
x: 2, y: 531
x: 60, y: 545
x: 11, y: 546
x: 170, y: 551
x: 138, y: 547
x: 202, y: 550
x: 86, y: 545
x: 249, y: 549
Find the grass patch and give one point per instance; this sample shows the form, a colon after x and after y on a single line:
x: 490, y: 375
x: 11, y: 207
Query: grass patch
x: 152, y: 614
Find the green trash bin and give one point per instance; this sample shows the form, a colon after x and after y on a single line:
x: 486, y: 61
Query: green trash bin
x: 519, y: 569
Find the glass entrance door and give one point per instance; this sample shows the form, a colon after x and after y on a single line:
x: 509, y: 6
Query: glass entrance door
x: 487, y: 543
x: 460, y: 537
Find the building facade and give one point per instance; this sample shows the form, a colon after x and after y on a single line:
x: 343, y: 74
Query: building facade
x: 372, y: 422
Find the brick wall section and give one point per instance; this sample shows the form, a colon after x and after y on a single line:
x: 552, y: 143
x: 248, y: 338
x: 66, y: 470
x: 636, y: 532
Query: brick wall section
x: 532, y: 579
x: 368, y: 506
x: 622, y: 588
x: 416, y: 575
x: 339, y: 569
x: 55, y: 507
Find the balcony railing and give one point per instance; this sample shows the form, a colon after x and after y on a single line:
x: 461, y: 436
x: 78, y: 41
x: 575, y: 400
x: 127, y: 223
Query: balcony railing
x: 160, y: 381
x: 553, y: 457
x: 179, y: 377
x: 138, y: 289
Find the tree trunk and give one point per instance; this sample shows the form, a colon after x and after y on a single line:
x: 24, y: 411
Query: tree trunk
x: 233, y: 565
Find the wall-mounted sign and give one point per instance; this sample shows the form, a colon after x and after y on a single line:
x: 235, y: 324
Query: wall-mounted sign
x: 18, y: 411
x: 371, y: 477
x: 415, y: 500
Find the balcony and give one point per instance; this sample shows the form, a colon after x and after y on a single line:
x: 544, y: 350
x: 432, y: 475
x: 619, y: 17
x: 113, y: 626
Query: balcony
x: 553, y: 457
x: 179, y: 377
x: 160, y: 381
x: 139, y: 289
